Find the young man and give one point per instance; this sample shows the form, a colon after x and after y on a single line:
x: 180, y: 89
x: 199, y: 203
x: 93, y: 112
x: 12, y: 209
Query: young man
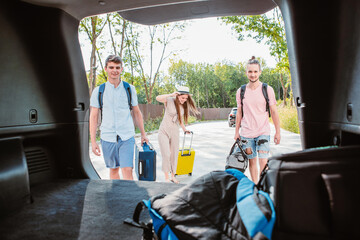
x: 253, y: 118
x: 117, y: 127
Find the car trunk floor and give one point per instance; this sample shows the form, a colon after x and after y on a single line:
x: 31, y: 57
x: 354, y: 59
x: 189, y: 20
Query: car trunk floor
x: 81, y: 209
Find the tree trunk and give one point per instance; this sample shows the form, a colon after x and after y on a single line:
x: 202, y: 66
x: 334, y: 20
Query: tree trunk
x: 285, y: 96
x: 198, y: 98
x: 122, y: 38
x: 207, y: 96
x: 284, y: 89
x: 146, y: 90
x: 92, y: 75
x: 111, y: 35
x: 101, y: 65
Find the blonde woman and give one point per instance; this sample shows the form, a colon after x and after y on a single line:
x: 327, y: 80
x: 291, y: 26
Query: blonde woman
x: 177, y: 108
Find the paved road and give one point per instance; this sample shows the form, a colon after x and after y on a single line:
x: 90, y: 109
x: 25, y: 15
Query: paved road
x: 212, y: 142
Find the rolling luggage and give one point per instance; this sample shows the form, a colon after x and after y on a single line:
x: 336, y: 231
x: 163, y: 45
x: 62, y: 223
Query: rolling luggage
x: 186, y: 158
x: 145, y: 163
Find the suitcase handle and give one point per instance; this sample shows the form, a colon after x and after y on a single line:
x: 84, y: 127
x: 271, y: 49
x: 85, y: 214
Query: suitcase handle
x: 182, y: 151
x: 147, y: 147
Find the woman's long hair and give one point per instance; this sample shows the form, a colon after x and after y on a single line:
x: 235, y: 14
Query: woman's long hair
x: 189, y: 105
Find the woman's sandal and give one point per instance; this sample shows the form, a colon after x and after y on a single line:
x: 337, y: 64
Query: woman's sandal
x: 175, y: 181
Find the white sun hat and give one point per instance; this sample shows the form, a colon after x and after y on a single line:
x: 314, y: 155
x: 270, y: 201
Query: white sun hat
x: 183, y: 90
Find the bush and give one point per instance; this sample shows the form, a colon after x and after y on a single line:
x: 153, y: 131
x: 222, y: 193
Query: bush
x: 191, y: 119
x: 151, y: 124
x: 288, y: 118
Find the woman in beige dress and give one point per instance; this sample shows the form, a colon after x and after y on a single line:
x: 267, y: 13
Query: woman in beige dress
x: 177, y: 107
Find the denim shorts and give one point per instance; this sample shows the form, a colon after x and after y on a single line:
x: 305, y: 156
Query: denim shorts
x: 260, y: 143
x: 118, y: 154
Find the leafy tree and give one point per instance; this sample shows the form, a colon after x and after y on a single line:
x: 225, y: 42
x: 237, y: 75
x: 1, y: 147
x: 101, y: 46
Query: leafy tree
x: 216, y: 85
x: 131, y: 39
x: 230, y: 79
x: 93, y: 27
x: 159, y: 38
x: 268, y: 27
x: 117, y: 30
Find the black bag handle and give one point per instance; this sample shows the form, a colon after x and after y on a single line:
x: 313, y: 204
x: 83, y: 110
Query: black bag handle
x: 233, y: 146
x: 136, y: 216
x: 135, y: 221
x: 147, y: 227
x: 260, y: 184
x: 237, y: 142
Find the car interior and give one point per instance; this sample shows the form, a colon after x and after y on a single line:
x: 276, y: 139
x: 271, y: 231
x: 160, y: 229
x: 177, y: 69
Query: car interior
x: 48, y: 186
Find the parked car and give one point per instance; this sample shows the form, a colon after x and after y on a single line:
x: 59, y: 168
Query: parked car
x: 232, y: 117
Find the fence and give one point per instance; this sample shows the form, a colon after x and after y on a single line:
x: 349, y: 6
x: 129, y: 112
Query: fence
x: 154, y: 111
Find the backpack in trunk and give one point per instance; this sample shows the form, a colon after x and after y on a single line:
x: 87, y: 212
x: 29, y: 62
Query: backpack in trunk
x: 218, y: 205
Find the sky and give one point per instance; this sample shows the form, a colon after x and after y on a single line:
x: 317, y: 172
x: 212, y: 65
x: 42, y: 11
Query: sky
x: 207, y: 41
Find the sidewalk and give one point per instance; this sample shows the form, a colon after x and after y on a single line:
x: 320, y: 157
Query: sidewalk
x: 212, y: 142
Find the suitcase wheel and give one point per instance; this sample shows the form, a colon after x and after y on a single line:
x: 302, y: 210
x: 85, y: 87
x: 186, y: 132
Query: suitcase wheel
x: 190, y: 174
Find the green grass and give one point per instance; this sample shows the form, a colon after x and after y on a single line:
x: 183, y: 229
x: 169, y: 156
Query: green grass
x: 288, y: 118
x: 151, y: 125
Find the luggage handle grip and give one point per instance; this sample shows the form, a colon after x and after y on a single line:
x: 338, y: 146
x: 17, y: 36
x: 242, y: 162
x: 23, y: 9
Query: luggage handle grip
x: 188, y: 154
x: 147, y: 146
x: 182, y: 151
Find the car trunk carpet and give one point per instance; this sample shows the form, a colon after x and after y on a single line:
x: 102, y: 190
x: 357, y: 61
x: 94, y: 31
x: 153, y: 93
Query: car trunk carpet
x: 81, y: 209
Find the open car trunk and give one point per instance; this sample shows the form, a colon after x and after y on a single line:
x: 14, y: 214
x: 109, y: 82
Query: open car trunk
x: 48, y: 186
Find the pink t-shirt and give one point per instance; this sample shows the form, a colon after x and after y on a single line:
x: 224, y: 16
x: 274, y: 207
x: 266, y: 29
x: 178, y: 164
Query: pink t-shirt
x: 255, y: 121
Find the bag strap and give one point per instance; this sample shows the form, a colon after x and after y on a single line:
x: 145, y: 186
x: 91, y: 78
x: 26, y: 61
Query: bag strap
x: 242, y: 94
x: 128, y: 93
x: 233, y: 146
x: 237, y: 142
x: 260, y: 184
x: 101, y: 96
x: 147, y: 227
x: 265, y: 93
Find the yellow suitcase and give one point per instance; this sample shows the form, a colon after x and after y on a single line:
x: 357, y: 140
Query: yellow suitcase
x: 186, y: 159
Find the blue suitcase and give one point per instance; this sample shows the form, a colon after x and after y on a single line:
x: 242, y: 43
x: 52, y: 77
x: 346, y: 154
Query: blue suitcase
x: 145, y: 163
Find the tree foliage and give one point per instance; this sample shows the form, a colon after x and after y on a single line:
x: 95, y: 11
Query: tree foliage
x: 268, y: 28
x: 215, y: 85
x: 145, y: 48
x: 93, y: 26
x: 148, y: 56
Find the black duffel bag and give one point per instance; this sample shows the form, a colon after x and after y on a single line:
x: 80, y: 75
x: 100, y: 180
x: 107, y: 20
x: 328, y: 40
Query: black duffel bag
x: 314, y: 193
x: 237, y: 158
